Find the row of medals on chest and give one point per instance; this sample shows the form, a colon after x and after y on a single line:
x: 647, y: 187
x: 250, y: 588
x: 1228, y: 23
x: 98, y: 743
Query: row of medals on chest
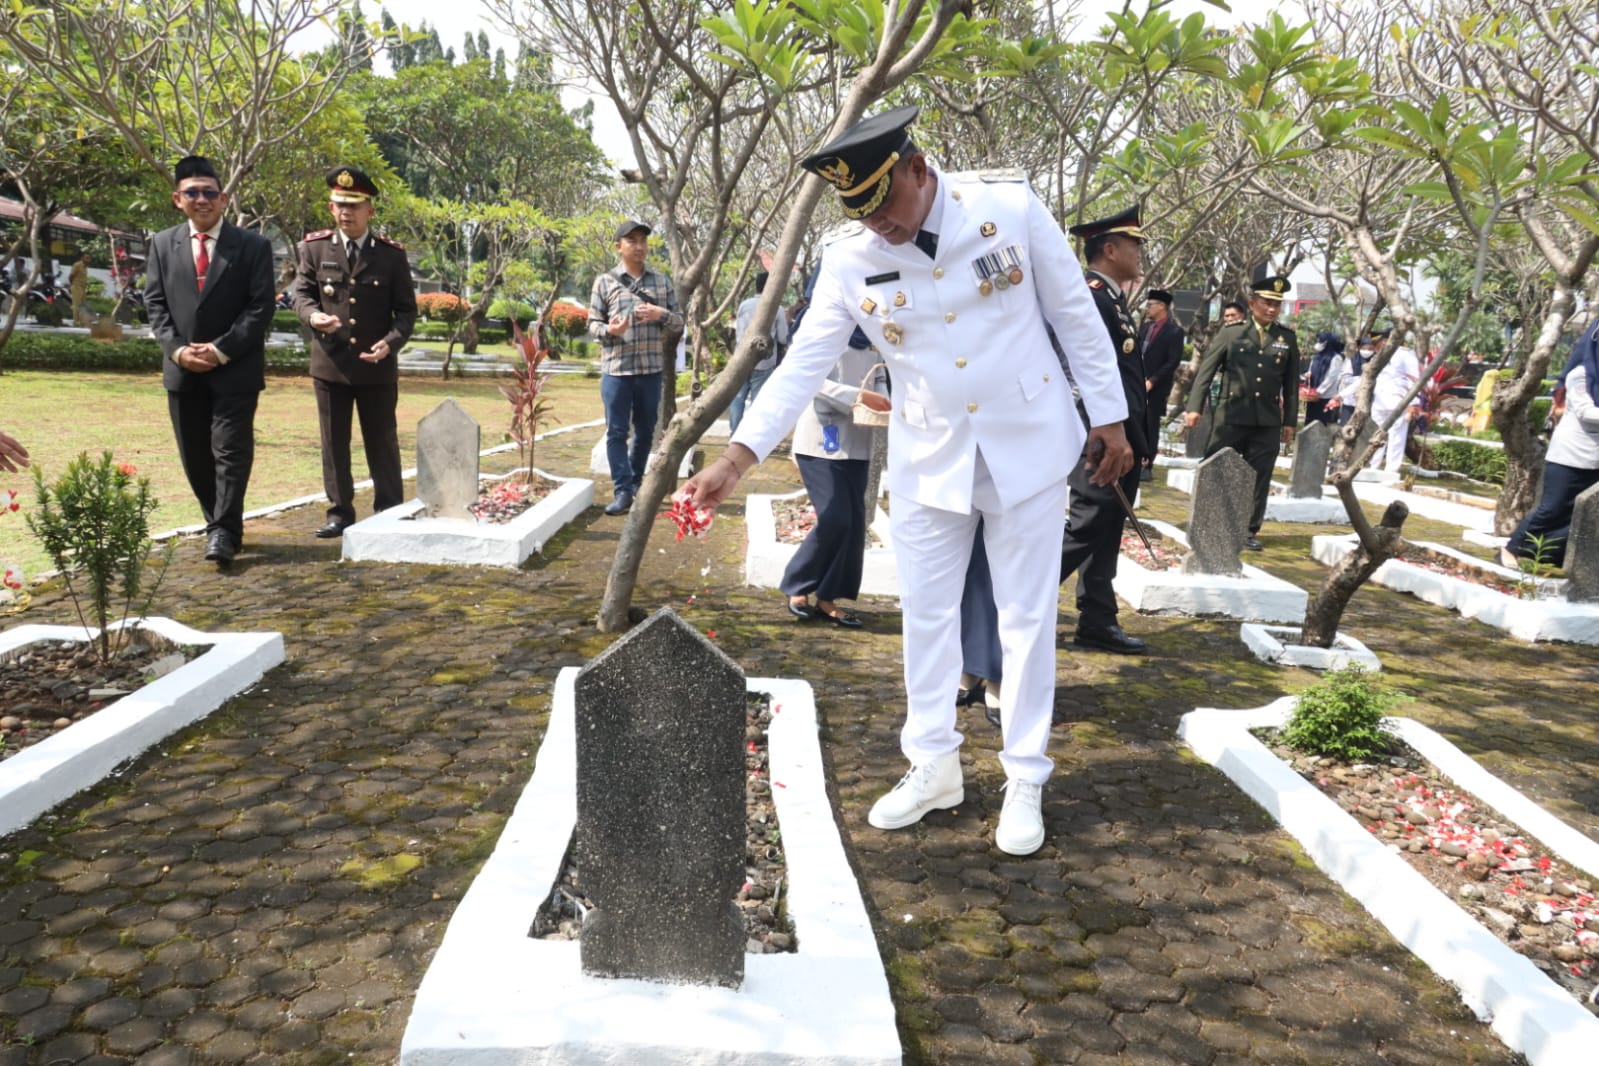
x: 996, y: 270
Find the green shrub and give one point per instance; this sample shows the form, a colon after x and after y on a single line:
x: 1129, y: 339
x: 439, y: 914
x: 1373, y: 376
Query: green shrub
x: 1341, y: 716
x: 51, y: 314
x: 1538, y: 412
x: 1472, y: 460
x: 53, y: 351
x: 285, y: 322
x: 94, y: 523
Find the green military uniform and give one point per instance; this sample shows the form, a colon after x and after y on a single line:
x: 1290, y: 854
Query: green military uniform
x: 1259, y: 394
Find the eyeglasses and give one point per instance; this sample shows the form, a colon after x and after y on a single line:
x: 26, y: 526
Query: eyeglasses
x: 201, y: 194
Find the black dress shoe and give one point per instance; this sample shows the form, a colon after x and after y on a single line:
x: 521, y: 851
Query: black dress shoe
x: 803, y: 611
x: 1254, y: 544
x: 1148, y: 474
x: 1110, y: 639
x: 965, y: 696
x: 334, y: 528
x: 219, y: 547
x: 843, y: 618
x: 991, y: 713
x: 620, y: 505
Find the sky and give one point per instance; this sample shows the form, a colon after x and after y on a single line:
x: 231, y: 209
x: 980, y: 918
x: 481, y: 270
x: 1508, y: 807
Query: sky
x: 453, y: 23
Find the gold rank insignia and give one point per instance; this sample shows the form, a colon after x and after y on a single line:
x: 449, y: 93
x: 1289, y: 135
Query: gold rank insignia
x: 1127, y: 346
x: 899, y: 299
x: 988, y: 229
x: 869, y: 305
x: 345, y: 180
x: 893, y: 333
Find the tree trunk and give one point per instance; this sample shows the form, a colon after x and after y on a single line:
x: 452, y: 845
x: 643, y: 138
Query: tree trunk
x: 1326, y: 608
x: 874, y: 471
x: 469, y: 332
x: 1510, y: 402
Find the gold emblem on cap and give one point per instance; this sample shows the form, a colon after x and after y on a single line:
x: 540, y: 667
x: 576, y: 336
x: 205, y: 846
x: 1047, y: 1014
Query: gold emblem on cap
x: 899, y: 299
x: 868, y: 305
x: 988, y: 229
x: 1277, y: 285
x: 345, y: 180
x: 837, y: 172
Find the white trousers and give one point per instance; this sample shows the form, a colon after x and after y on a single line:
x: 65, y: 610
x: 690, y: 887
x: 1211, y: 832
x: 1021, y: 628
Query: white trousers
x: 932, y: 548
x: 1398, y: 434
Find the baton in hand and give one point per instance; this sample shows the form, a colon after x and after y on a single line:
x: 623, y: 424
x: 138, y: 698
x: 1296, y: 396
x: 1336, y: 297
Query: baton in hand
x: 1096, y: 452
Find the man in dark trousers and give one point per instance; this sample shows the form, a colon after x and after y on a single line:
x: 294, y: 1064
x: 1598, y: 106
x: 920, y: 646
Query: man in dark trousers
x: 209, y: 295
x: 353, y: 288
x: 1258, y: 404
x: 1091, y: 545
x: 1162, y: 341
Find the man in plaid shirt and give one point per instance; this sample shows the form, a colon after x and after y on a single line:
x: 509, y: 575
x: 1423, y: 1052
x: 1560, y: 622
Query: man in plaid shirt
x: 629, y: 307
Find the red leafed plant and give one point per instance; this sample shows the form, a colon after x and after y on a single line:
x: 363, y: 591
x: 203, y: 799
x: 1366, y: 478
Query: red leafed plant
x: 690, y: 520
x: 440, y: 306
x: 526, y: 393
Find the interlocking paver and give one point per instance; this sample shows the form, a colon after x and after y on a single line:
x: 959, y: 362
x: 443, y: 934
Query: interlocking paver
x: 218, y: 904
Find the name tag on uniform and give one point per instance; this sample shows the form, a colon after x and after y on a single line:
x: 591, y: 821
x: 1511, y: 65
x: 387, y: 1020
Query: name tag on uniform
x: 879, y: 279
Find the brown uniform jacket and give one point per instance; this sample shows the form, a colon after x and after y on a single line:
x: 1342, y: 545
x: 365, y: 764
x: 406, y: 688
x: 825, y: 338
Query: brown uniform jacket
x: 374, y: 302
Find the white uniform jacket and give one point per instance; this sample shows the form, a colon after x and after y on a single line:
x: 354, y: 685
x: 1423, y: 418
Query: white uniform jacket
x: 969, y: 371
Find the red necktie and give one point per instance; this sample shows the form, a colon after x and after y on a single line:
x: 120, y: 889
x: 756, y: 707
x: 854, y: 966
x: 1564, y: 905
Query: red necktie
x: 202, y: 263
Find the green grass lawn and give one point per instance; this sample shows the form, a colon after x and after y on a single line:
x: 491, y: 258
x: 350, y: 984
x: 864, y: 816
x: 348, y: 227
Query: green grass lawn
x: 57, y: 414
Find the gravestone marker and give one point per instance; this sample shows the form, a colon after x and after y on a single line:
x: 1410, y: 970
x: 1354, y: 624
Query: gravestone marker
x: 1218, y: 515
x: 447, y: 444
x: 1311, y: 447
x: 1198, y: 438
x: 660, y: 807
x: 1582, y: 549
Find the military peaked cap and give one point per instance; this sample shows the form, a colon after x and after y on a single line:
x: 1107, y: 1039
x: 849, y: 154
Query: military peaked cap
x: 859, y: 163
x: 350, y: 185
x: 1125, y: 223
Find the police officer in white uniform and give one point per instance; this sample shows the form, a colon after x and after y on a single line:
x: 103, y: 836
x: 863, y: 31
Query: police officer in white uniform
x: 953, y: 278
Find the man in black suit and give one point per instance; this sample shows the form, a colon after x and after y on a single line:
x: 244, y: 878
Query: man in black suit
x: 209, y: 296
x: 1162, y: 341
x: 353, y: 288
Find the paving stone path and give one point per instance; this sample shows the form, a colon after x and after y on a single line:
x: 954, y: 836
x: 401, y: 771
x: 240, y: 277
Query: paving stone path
x: 268, y: 886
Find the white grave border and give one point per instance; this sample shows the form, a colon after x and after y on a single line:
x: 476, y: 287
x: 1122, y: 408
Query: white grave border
x: 1529, y: 1012
x: 494, y: 996
x: 64, y: 764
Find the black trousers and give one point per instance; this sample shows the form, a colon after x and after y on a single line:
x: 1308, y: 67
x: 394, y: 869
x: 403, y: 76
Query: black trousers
x: 1093, y: 544
x: 1090, y: 549
x: 1259, y: 446
x: 216, y: 443
x: 830, y: 559
x: 374, y: 405
x: 1548, y: 526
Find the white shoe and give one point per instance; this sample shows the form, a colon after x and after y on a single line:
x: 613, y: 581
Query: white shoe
x: 931, y: 786
x: 1021, y: 821
x: 991, y: 695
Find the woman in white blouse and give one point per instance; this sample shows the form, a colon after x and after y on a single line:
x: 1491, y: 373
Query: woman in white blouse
x: 1571, y: 465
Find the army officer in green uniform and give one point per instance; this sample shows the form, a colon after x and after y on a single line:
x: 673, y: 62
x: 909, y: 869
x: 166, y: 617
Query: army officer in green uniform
x: 1257, y: 404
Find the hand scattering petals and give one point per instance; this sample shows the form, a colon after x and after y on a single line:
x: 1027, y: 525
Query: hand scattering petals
x: 691, y: 520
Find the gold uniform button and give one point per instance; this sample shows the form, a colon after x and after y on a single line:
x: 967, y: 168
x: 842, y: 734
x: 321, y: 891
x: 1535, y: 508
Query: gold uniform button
x: 960, y: 364
x: 938, y: 272
x: 949, y: 317
x: 971, y: 408
x: 1046, y: 379
x: 352, y: 321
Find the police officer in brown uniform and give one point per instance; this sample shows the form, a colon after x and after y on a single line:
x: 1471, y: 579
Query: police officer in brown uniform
x: 1258, y: 403
x: 353, y: 288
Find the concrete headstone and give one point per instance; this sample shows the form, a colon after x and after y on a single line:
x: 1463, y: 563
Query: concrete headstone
x: 1311, y: 447
x: 447, y: 444
x: 660, y: 807
x: 1218, y: 516
x: 1582, y: 549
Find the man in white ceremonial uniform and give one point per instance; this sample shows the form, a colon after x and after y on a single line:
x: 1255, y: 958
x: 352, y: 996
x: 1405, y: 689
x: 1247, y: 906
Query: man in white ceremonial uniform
x: 953, y: 278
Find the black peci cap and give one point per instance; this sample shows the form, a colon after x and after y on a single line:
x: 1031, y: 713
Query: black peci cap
x: 1159, y: 294
x: 859, y: 163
